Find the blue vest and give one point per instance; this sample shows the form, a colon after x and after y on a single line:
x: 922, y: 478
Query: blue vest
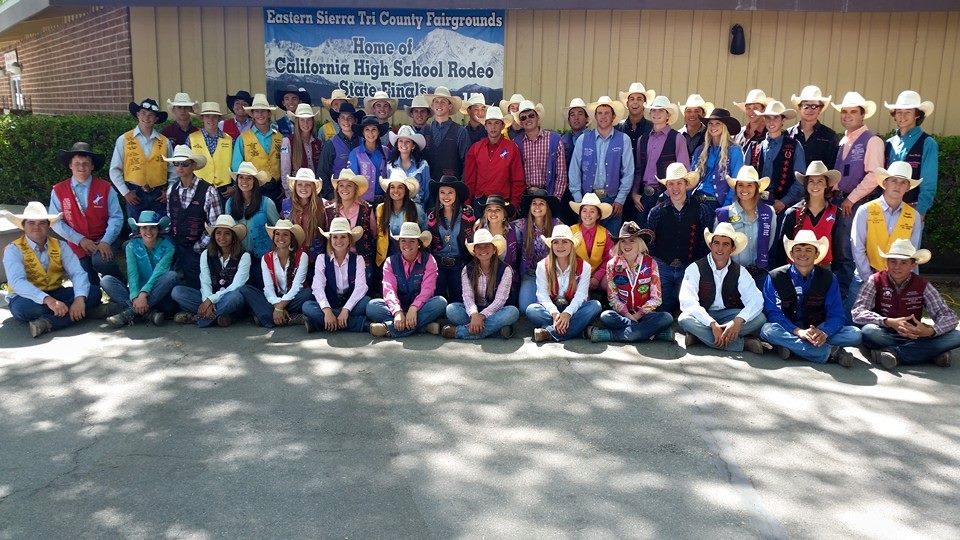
x: 336, y: 299
x: 767, y: 223
x: 408, y: 287
x: 341, y: 154
x: 611, y: 164
x: 553, y: 148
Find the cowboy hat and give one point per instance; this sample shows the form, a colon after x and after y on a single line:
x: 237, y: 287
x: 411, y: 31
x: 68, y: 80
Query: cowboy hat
x: 630, y: 229
x: 819, y: 168
x: 181, y: 99
x: 338, y: 94
x: 398, y: 176
x: 476, y: 98
x: 183, y: 152
x: 379, y: 95
x: 409, y: 229
x: 754, y: 96
x: 909, y: 99
x: 619, y: 109
x: 663, y: 103
x: 370, y: 120
x: 250, y: 169
x: 483, y: 236
x: 290, y: 89
x: 748, y: 174
x: 806, y: 236
x: 575, y: 103
x: 637, y: 88
x: 775, y: 108
x: 739, y: 239
x: 495, y: 200
x: 407, y: 132
x: 304, y: 175
x: 854, y: 99
x: 505, y: 103
x: 810, y: 93
x: 341, y: 225
x: 897, y: 169
x: 562, y: 232
x: 418, y: 102
x: 226, y: 221
x: 348, y: 108
x: 80, y: 149
x: 696, y: 101
x: 286, y: 225
x: 304, y: 110
x: 678, y: 171
x: 347, y: 175
x: 527, y: 105
x: 33, y: 211
x: 722, y: 115
x: 591, y: 199
x: 449, y: 181
x: 259, y: 103
x: 494, y: 113
x: 242, y: 95
x: 149, y: 218
x: 208, y: 107
x: 537, y: 193
x: 150, y: 105
x: 901, y: 248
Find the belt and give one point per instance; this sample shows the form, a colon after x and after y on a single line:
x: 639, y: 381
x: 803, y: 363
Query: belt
x: 145, y: 189
x: 447, y: 262
x: 700, y: 197
x: 600, y: 192
x: 676, y: 263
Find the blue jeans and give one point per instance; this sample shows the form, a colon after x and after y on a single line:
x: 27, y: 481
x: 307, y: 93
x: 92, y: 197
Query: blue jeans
x: 528, y: 292
x: 457, y: 313
x: 355, y: 321
x: 909, y: 351
x: 449, y: 284
x: 722, y: 316
x: 623, y: 329
x: 847, y: 336
x: 26, y: 310
x: 670, y: 279
x: 540, y: 318
x: 95, y: 265
x: 189, y: 300
x: 649, y: 201
x: 186, y: 261
x: 613, y: 222
x: 263, y: 310
x: 149, y: 200
x: 855, y: 285
x: 377, y: 312
x: 158, y: 297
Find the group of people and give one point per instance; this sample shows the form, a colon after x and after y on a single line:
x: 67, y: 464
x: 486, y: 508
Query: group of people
x: 746, y: 236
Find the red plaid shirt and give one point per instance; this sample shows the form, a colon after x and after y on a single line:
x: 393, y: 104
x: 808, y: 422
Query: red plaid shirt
x: 535, y: 165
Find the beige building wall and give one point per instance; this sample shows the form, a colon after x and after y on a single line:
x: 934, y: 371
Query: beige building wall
x: 556, y: 55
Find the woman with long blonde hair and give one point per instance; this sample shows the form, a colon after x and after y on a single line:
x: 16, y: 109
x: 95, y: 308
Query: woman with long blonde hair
x: 718, y: 158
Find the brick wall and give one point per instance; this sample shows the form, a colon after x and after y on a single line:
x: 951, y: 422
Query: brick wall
x: 82, y: 65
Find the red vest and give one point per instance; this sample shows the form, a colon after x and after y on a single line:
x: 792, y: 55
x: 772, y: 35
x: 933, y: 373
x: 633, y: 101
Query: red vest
x: 230, y: 128
x: 571, y: 286
x: 634, y: 297
x: 291, y: 269
x: 91, y: 223
x: 892, y: 304
x: 824, y: 227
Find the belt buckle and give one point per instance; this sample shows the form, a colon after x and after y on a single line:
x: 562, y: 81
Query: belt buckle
x: 649, y: 191
x: 676, y: 263
x: 561, y: 302
x: 146, y: 188
x: 600, y: 192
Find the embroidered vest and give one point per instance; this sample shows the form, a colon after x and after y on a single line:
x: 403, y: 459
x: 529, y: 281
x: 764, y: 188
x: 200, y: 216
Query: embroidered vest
x: 893, y: 304
x: 767, y: 223
x: 408, y: 287
x: 814, y: 301
x: 467, y: 219
x: 678, y: 236
x: 231, y: 128
x: 261, y: 159
x: 667, y: 156
x: 187, y: 224
x: 45, y: 280
x: 371, y: 172
x: 341, y: 153
x: 139, y: 169
x: 92, y: 222
x: 781, y: 177
x: 611, y: 162
x: 852, y: 168
x: 729, y: 289
x: 878, y: 239
x: 595, y: 257
x: 444, y: 155
x: 635, y: 296
x: 221, y: 276
x: 337, y: 299
x: 217, y: 170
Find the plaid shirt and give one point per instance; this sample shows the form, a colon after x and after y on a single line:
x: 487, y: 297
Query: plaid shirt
x: 211, y: 206
x: 535, y: 154
x: 944, y: 319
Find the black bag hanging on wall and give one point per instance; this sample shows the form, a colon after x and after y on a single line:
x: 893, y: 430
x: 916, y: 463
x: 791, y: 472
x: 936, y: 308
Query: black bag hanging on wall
x: 738, y: 43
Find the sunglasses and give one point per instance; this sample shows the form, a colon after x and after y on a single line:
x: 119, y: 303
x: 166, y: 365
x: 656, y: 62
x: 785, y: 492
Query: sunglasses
x: 182, y: 163
x: 525, y: 117
x: 811, y: 106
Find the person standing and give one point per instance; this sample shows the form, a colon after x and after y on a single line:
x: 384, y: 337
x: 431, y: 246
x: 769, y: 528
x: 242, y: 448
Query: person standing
x: 694, y: 126
x: 634, y: 123
x: 656, y: 150
x: 137, y: 168
x: 493, y: 165
x: 716, y: 159
x: 288, y: 99
x: 541, y: 151
x: 777, y: 157
x: 216, y: 147
x: 755, y: 129
x: 182, y: 109
x: 192, y: 205
x: 911, y: 144
x: 337, y: 98
x: 260, y: 145
x: 241, y: 121
x: 819, y: 142
x: 447, y: 140
x: 577, y: 119
x: 475, y: 109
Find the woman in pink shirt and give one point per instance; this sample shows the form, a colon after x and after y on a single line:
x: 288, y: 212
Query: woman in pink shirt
x: 339, y: 283
x: 596, y: 241
x: 347, y: 189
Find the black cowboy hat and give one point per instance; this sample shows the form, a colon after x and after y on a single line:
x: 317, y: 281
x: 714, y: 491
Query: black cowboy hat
x: 630, y: 229
x: 723, y: 115
x: 448, y: 180
x: 242, y: 95
x: 80, y: 149
x: 290, y: 89
x: 536, y: 193
x: 348, y: 108
x: 370, y: 120
x: 482, y: 202
x: 151, y: 105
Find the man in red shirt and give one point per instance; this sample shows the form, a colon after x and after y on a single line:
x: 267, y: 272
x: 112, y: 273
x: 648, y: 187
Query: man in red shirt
x: 493, y: 165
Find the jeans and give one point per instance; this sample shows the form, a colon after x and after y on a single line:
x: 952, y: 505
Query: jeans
x: 95, y: 265
x: 623, y: 329
x: 26, y: 310
x: 158, y: 298
x: 670, y: 279
x: 189, y: 299
x: 449, y: 284
x: 505, y: 316
x: 540, y: 318
x: 722, y: 316
x: 855, y: 285
x: 263, y: 310
x: 909, y: 351
x: 186, y: 261
x: 613, y: 222
x: 355, y: 321
x: 528, y: 292
x: 274, y: 191
x: 847, y: 336
x: 377, y: 312
x: 149, y: 200
x: 648, y: 201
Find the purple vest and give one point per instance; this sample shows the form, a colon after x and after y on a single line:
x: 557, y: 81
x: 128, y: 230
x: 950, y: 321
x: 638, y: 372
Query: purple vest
x: 611, y: 164
x: 766, y: 220
x: 852, y: 167
x: 373, y: 176
x: 341, y: 154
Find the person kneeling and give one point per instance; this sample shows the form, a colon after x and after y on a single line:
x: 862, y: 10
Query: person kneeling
x: 339, y: 283
x: 486, y: 284
x: 284, y: 271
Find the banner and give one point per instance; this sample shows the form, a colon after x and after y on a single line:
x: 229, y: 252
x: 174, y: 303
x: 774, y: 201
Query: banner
x: 403, y: 52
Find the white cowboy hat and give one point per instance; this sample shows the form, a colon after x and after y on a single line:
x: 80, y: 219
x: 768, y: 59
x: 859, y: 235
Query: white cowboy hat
x: 619, y: 109
x: 854, y: 99
x: 723, y: 228
x: 562, y: 232
x: 663, y: 103
x: 678, y: 171
x: 347, y: 175
x: 527, y: 105
x: 810, y: 93
x: 259, y: 103
x: 304, y: 110
x: 444, y: 92
x: 407, y: 132
x: 249, y: 168
x: 505, y: 103
x: 183, y: 152
x: 754, y: 96
x: 287, y: 225
x: 819, y: 168
x: 637, y: 88
x: 483, y: 236
x: 909, y: 99
x: 418, y: 102
x: 226, y: 221
x: 34, y: 210
x: 338, y: 94
x: 775, y: 108
x: 304, y: 175
x: 181, y: 99
x: 590, y: 199
x: 397, y: 175
x: 696, y: 101
x: 476, y: 98
x: 409, y: 229
x: 341, y: 225
x: 901, y: 248
x: 574, y: 104
x: 494, y: 113
x: 208, y: 107
x: 379, y: 95
x: 897, y: 169
x: 748, y: 174
x: 806, y: 236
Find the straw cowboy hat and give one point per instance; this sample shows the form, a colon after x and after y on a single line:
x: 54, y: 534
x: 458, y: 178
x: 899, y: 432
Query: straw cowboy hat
x: 304, y: 110
x: 347, y: 175
x: 505, y: 103
x: 348, y: 108
x: 591, y: 199
x: 304, y: 175
x: 259, y: 103
x: 475, y: 98
x: 637, y: 88
x: 854, y: 99
x: 379, y: 95
x: 249, y: 168
x: 575, y: 103
x: 663, y: 103
x: 407, y: 132
x: 810, y: 93
x: 754, y: 96
x: 722, y: 115
x: 338, y: 94
x: 901, y: 248
x: 398, y: 176
x: 149, y: 105
x: 678, y: 171
x: 748, y: 174
x: 494, y: 113
x: 908, y: 99
x: 696, y: 101
x: 183, y: 152
x: 775, y: 108
x: 409, y: 229
x: 527, y: 105
x: 290, y: 89
x: 619, y: 109
x: 630, y: 229
x: 341, y: 225
x: 562, y: 232
x: 181, y: 99
x: 483, y: 236
x: 80, y: 149
x: 740, y: 240
x: 897, y: 169
x: 242, y: 95
x: 226, y: 221
x: 806, y: 236
x: 286, y: 225
x: 208, y: 107
x: 34, y: 211
x: 418, y: 102
x: 819, y: 168
x: 149, y: 218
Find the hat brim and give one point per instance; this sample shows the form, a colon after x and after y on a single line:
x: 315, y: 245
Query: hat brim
x: 707, y: 108
x: 832, y: 176
x: 278, y: 96
x: 882, y: 174
x: 499, y: 243
x: 172, y: 104
x: 197, y: 160
x: 824, y: 101
x: 692, y: 178
x: 232, y: 100
x: 135, y: 108
x: 204, y: 113
x: 619, y: 109
x: 327, y: 102
x: 461, y: 188
x: 163, y: 224
x: 296, y: 231
x: 733, y: 125
x: 673, y: 112
x: 507, y: 121
x: 239, y: 229
x: 359, y: 115
x: 411, y: 183
x: 788, y: 114
x: 740, y: 240
x: 358, y: 180
x: 648, y: 96
x: 417, y: 138
x: 869, y: 107
x: 18, y: 219
x: 920, y: 256
x: 552, y: 202
x: 742, y: 105
x: 577, y: 239
x: 538, y: 108
x: 456, y: 102
x: 763, y: 183
x: 262, y: 176
x: 66, y: 156
x: 355, y: 232
x: 369, y: 102
x: 382, y: 129
x: 292, y: 182
x: 925, y: 106
x: 465, y: 107
x: 646, y: 235
x: 425, y: 238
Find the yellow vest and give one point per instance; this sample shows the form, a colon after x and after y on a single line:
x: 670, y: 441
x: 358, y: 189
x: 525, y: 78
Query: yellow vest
x: 254, y: 153
x: 878, y: 239
x: 45, y: 280
x: 599, y: 246
x: 383, y: 240
x: 142, y: 170
x: 328, y: 130
x: 217, y: 169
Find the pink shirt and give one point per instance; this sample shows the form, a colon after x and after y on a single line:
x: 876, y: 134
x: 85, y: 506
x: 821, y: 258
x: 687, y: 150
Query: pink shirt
x: 427, y: 287
x: 340, y: 271
x: 499, y: 300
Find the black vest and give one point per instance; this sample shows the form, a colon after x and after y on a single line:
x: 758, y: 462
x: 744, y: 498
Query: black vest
x: 729, y: 290
x: 221, y: 276
x: 481, y: 296
x: 444, y: 155
x: 814, y: 302
x: 913, y: 157
x: 337, y: 300
x: 667, y: 156
x: 678, y: 237
x: 187, y: 224
x: 781, y: 175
